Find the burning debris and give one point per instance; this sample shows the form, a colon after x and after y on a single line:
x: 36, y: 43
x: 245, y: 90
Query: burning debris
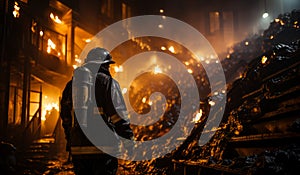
x: 262, y: 111
x: 284, y: 29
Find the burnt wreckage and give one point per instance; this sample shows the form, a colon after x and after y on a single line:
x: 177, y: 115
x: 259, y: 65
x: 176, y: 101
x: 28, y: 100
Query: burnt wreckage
x: 260, y: 130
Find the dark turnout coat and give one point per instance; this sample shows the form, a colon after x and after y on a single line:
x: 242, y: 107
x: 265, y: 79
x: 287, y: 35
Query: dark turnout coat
x: 110, y: 104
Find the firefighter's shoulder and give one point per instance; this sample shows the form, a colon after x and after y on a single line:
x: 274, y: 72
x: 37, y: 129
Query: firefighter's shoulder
x: 102, y: 78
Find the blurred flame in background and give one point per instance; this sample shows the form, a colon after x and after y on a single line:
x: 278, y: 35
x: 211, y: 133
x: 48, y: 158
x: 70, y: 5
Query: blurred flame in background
x: 157, y: 70
x: 48, y: 107
x: 198, y: 116
x: 16, y: 12
x: 50, y: 46
x: 55, y: 18
x: 264, y: 59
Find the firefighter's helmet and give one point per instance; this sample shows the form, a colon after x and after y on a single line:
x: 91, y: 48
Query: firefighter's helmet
x: 99, y: 55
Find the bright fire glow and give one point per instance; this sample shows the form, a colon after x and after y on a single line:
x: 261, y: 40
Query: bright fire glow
x: 172, y: 49
x: 43, y: 118
x: 157, y: 70
x: 41, y: 33
x: 144, y: 99
x: 265, y: 15
x: 198, y: 116
x: 51, y: 45
x: 33, y: 26
x: 264, y: 59
x: 190, y: 71
x: 163, y: 48
x: 48, y: 49
x: 124, y: 90
x: 47, y: 108
x: 16, y: 12
x: 77, y: 60
x: 212, y: 103
x: 88, y: 40
x: 55, y: 18
x: 118, y: 68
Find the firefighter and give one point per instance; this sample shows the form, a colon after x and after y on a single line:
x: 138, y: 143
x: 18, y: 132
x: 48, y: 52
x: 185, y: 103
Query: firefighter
x: 94, y: 78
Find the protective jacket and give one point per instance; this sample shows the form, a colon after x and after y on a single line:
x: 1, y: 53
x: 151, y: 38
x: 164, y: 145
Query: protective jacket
x: 111, y: 104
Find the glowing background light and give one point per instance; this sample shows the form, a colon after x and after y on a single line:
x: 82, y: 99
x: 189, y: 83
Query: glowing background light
x: 265, y: 15
x: 118, y: 68
x: 50, y: 46
x: 157, y: 70
x: 172, y: 49
x: 144, y: 99
x: 163, y: 48
x: 264, y: 59
x: 16, y: 12
x: 124, y: 90
x: 55, y: 18
x: 48, y: 107
x: 88, y: 40
x: 198, y: 116
x: 211, y: 103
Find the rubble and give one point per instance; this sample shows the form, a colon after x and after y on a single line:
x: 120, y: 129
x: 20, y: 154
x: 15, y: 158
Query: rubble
x: 282, y: 31
x: 263, y: 105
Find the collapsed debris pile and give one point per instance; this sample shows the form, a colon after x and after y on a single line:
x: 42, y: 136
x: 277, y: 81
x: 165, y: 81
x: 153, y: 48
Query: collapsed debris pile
x: 284, y: 29
x: 260, y: 129
x: 262, y: 111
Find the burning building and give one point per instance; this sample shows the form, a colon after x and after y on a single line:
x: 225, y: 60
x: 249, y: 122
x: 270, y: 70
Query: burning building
x: 40, y: 46
x: 42, y: 40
